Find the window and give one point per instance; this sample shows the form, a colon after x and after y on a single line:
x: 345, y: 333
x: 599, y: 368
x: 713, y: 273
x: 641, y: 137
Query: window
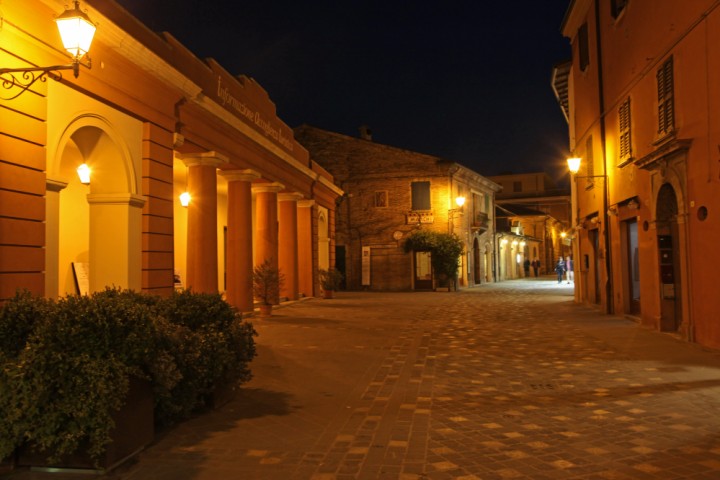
x: 583, y: 47
x: 617, y: 7
x: 666, y: 107
x: 590, y: 163
x: 517, y: 187
x: 477, y: 204
x: 624, y: 130
x: 420, y: 195
x: 381, y: 199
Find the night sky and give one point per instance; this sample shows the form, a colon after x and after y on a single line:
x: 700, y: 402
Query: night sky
x: 465, y: 80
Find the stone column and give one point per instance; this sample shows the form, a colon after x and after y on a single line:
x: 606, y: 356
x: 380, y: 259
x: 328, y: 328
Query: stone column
x: 202, y: 240
x: 266, y: 223
x: 288, y: 243
x: 305, y: 248
x: 240, y: 239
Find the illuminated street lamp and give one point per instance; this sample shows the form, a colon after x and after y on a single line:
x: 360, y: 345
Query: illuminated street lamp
x: 574, y: 167
x: 459, y: 201
x: 76, y: 32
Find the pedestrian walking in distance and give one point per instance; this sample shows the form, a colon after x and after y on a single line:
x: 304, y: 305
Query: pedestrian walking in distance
x: 569, y: 268
x: 560, y: 269
x: 536, y: 266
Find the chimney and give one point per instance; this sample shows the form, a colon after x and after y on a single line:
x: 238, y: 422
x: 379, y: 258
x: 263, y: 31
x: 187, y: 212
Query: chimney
x: 366, y: 133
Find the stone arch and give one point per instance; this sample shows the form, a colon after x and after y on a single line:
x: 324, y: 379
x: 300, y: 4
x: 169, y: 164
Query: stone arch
x: 98, y: 226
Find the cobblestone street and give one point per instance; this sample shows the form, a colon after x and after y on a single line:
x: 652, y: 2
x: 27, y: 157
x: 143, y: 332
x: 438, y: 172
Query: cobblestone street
x: 506, y: 381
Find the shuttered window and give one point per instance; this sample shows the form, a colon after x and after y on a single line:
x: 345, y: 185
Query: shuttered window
x: 624, y: 130
x: 583, y: 47
x: 420, y: 195
x: 666, y: 107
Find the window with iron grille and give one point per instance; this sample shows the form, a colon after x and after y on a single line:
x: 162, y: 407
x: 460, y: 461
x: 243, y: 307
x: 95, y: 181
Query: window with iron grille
x: 617, y: 6
x: 624, y: 130
x: 590, y: 163
x: 666, y: 107
x: 583, y: 47
x: 420, y: 195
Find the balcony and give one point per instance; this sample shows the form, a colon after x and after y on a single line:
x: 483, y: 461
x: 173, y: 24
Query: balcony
x: 479, y: 222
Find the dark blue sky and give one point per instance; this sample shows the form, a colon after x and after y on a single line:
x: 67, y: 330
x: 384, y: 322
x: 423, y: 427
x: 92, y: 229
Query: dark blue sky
x: 465, y: 80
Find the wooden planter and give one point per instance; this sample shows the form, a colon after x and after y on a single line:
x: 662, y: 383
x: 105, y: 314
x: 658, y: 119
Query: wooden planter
x: 134, y: 429
x: 265, y: 310
x: 328, y: 293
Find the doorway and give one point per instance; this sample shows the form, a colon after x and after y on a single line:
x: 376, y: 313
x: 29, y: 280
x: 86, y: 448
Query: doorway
x: 632, y: 263
x: 423, y: 271
x: 594, y: 236
x: 477, y: 272
x: 669, y: 259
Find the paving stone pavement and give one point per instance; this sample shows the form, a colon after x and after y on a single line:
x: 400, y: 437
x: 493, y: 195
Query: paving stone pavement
x: 503, y: 381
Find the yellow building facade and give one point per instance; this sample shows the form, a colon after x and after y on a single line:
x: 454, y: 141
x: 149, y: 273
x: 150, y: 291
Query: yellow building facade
x: 643, y: 109
x: 151, y: 121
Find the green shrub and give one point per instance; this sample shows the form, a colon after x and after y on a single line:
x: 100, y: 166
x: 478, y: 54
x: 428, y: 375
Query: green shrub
x: 65, y: 366
x: 209, y: 344
x: 73, y: 372
x: 330, y: 279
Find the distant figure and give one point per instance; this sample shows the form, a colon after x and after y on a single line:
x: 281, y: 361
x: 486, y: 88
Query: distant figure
x: 526, y: 267
x: 560, y: 269
x: 569, y: 267
x: 536, y: 266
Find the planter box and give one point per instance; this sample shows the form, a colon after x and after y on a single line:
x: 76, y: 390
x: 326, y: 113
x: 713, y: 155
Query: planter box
x: 7, y: 465
x: 134, y: 430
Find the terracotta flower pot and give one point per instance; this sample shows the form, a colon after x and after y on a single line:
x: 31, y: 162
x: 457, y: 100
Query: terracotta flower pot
x: 265, y: 310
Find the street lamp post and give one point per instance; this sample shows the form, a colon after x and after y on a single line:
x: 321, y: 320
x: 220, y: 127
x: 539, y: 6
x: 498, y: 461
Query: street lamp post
x: 459, y: 201
x: 574, y: 167
x: 76, y: 32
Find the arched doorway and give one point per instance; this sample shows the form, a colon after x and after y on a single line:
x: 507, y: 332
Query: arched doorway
x: 96, y: 237
x: 669, y: 259
x: 477, y: 273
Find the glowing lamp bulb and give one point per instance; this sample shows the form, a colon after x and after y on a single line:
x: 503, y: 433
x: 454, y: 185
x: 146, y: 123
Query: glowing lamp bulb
x: 76, y: 31
x: 574, y: 164
x: 83, y: 172
x: 185, y: 199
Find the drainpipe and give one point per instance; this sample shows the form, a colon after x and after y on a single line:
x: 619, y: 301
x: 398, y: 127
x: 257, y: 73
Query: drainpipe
x: 606, y: 231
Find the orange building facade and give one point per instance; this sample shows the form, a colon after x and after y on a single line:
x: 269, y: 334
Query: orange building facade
x: 642, y: 99
x: 151, y: 121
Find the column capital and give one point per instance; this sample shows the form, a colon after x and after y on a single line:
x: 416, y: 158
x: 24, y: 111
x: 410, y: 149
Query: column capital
x: 240, y: 175
x: 131, y: 199
x: 273, y: 187
x: 53, y: 185
x: 289, y: 197
x: 307, y: 203
x: 206, y: 159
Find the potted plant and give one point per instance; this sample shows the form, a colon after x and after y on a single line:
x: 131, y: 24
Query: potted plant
x: 330, y: 281
x: 267, y: 281
x: 445, y: 251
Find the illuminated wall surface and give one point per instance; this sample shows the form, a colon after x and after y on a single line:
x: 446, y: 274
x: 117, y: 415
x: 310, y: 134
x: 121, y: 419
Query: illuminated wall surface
x: 645, y: 197
x: 151, y: 121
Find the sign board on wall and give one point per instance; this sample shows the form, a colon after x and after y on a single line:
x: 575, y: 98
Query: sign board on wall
x: 81, y: 272
x: 365, y: 266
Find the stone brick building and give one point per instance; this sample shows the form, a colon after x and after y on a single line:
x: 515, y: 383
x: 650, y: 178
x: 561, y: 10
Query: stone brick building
x: 391, y: 192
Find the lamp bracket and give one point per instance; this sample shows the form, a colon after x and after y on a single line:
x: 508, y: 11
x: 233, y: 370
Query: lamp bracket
x: 24, y: 78
x: 590, y: 176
